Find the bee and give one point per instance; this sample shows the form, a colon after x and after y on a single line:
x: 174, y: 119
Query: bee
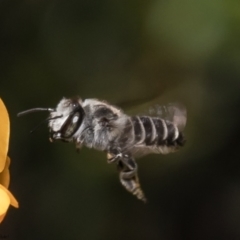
x: 99, y: 125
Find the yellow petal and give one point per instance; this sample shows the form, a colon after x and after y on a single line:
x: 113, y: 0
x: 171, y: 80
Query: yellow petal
x: 5, y: 175
x: 4, y: 201
x: 4, y: 134
x: 7, y: 164
x: 13, y: 200
x: 2, y: 217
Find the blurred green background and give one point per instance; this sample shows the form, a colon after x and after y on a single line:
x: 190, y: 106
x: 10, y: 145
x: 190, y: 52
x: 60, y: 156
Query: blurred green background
x: 130, y: 53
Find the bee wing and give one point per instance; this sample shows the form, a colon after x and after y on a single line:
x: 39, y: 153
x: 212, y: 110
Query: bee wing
x: 173, y: 112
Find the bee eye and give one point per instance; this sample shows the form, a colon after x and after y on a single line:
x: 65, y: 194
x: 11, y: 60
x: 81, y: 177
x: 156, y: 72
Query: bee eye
x: 75, y: 119
x: 71, y: 125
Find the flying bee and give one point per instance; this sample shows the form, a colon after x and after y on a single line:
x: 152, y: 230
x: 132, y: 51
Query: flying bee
x: 99, y: 125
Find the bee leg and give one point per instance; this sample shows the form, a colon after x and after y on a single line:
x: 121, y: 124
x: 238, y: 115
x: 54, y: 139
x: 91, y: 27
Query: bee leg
x: 129, y: 178
x: 114, y: 154
x: 111, y: 158
x: 128, y: 172
x: 78, y: 145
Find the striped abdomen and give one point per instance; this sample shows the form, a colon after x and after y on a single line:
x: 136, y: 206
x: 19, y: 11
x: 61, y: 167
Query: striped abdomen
x: 156, y: 133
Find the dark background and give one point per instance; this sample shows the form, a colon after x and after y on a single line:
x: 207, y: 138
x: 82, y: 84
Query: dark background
x: 130, y: 53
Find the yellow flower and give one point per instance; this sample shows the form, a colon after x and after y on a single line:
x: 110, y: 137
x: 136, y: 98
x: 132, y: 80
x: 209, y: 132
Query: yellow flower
x: 6, y: 198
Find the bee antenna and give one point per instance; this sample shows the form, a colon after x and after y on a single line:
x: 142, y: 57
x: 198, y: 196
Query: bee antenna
x: 35, y: 110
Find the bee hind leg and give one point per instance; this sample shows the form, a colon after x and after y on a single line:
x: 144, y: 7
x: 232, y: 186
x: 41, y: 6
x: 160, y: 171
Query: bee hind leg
x: 111, y: 158
x: 129, y: 178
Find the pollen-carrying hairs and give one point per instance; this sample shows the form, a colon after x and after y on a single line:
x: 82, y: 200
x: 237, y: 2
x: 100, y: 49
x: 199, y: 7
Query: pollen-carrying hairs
x: 99, y: 125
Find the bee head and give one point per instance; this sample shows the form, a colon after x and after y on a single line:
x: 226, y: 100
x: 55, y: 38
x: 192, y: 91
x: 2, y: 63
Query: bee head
x: 65, y: 120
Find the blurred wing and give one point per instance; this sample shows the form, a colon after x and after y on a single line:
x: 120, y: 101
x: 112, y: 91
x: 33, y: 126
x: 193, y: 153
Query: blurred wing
x: 173, y: 112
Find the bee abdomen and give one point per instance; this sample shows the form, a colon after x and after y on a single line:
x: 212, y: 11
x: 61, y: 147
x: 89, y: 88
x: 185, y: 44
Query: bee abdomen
x: 156, y: 132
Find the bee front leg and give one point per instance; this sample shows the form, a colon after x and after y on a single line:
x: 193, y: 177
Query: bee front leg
x: 78, y: 144
x: 129, y: 177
